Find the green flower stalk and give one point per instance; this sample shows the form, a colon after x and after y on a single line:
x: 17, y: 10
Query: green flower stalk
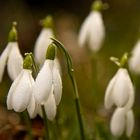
x: 74, y: 84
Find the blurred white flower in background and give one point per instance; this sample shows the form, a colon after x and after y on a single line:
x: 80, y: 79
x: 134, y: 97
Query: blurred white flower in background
x: 92, y: 32
x: 43, y: 41
x: 134, y: 61
x: 41, y: 45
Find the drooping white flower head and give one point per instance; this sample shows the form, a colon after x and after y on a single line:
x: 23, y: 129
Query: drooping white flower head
x: 120, y: 90
x: 134, y: 61
x: 48, y: 84
x: 122, y: 120
x: 20, y: 93
x: 12, y: 57
x: 92, y: 32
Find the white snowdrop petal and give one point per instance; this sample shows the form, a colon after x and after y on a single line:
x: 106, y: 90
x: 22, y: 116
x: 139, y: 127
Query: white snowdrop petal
x: 129, y: 123
x: 57, y: 65
x: 96, y: 31
x: 117, y: 124
x: 50, y: 107
x: 134, y: 63
x: 131, y: 92
x: 43, y: 82
x: 15, y: 61
x: 41, y: 45
x: 12, y: 89
x: 32, y: 108
x: 23, y: 92
x: 108, y: 101
x: 121, y: 88
x: 57, y: 83
x: 83, y: 35
x: 3, y: 59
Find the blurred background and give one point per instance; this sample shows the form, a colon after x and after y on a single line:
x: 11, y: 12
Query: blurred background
x: 122, y: 23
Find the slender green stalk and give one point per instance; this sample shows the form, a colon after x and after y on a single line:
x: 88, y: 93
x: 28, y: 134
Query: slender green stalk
x: 74, y: 84
x: 47, y: 137
x: 28, y: 122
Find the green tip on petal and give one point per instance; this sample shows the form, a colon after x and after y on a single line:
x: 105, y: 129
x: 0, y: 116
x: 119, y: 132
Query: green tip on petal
x: 47, y: 22
x: 98, y: 5
x: 28, y: 62
x: 51, y: 51
x: 13, y: 33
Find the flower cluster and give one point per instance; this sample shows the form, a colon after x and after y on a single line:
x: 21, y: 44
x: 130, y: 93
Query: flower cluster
x: 120, y: 91
x: 30, y: 94
x: 27, y: 93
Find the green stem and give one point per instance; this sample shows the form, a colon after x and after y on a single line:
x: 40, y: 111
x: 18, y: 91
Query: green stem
x: 28, y: 122
x: 74, y: 84
x: 47, y: 137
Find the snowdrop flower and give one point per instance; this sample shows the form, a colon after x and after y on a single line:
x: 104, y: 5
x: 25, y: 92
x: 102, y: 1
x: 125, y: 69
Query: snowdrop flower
x: 11, y: 56
x: 134, y: 62
x: 122, y: 120
x: 120, y: 90
x: 48, y: 84
x: 43, y: 40
x: 20, y: 93
x: 92, y: 32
